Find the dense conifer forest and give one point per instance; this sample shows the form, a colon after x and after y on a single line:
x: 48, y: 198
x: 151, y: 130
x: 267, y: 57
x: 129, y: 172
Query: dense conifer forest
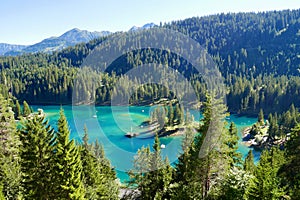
x: 258, y: 56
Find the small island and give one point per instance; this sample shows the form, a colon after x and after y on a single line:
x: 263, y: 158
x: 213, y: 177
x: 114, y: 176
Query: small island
x: 274, y: 131
x: 167, y: 120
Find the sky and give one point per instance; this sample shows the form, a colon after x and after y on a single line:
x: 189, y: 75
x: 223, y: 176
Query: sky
x: 30, y: 21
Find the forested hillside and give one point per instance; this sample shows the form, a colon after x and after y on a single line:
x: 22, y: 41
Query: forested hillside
x: 257, y: 54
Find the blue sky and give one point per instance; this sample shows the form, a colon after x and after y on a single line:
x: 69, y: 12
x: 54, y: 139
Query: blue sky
x: 30, y: 21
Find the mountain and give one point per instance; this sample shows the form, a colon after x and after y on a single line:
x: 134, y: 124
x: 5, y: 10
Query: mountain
x: 69, y: 38
x: 146, y: 26
x: 10, y: 47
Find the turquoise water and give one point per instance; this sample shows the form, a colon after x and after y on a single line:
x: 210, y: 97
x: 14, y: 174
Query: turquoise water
x: 110, y: 124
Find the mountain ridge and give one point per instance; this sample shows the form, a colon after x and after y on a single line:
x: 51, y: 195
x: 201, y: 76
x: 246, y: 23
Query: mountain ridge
x: 54, y: 43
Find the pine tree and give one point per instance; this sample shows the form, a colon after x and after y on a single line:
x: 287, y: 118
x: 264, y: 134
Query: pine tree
x: 170, y: 114
x: 273, y: 127
x: 9, y: 152
x: 186, y: 181
x: 26, y: 109
x: 37, y: 139
x: 68, y: 163
x: 17, y: 110
x: 249, y: 165
x: 234, y: 185
x: 291, y: 170
x: 151, y: 173
x: 99, y: 183
x: 261, y: 120
x: 265, y: 184
x: 209, y: 143
x: 231, y: 142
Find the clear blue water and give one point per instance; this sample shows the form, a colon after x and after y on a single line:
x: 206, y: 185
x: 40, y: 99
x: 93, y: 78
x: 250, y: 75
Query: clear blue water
x: 110, y: 124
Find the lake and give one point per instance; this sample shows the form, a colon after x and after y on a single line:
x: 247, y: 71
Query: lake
x: 110, y: 124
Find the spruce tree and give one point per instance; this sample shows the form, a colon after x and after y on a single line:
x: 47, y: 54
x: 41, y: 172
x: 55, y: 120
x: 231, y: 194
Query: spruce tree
x: 26, y: 109
x: 151, y: 173
x: 185, y: 182
x: 291, y: 170
x: 170, y: 114
x: 17, y: 110
x: 249, y: 165
x: 265, y: 184
x: 9, y: 151
x: 261, y: 120
x: 99, y: 183
x: 68, y: 163
x: 209, y: 144
x: 231, y: 142
x: 37, y: 140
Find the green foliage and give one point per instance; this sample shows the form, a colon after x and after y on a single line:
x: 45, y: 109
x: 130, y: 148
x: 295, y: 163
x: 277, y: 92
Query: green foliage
x: 68, y: 167
x: 234, y: 185
x: 26, y: 109
x: 249, y: 165
x: 151, y: 174
x: 261, y: 119
x: 9, y: 152
x: 266, y: 184
x: 231, y: 142
x: 291, y: 170
x: 37, y: 140
x: 98, y: 177
x: 17, y: 110
x: 2, y: 197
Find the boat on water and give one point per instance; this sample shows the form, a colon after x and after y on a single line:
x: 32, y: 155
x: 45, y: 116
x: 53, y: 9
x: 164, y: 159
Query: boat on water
x: 131, y: 134
x: 162, y: 146
x: 94, y: 116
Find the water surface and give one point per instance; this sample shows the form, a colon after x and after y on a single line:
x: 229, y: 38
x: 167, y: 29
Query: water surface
x: 109, y: 125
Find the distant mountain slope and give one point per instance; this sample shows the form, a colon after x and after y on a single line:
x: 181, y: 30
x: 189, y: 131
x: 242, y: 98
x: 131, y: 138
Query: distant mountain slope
x: 146, y: 26
x: 10, y: 47
x: 70, y: 38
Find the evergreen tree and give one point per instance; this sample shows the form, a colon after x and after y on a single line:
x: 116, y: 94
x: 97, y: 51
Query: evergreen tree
x: 37, y: 140
x: 17, y: 110
x: 152, y: 174
x: 265, y: 184
x: 98, y: 183
x: 202, y: 164
x: 9, y: 152
x: 249, y: 165
x: 170, y: 114
x: 26, y: 109
x: 234, y: 185
x: 291, y: 170
x: 261, y: 120
x: 231, y: 142
x: 209, y: 144
x: 273, y: 130
x: 185, y: 183
x: 2, y: 197
x: 68, y: 163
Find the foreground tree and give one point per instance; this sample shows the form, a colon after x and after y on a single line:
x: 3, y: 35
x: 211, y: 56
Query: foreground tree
x: 231, y: 146
x: 291, y: 170
x: 98, y: 177
x: 249, y: 165
x: 9, y: 152
x: 37, y: 140
x: 265, y: 184
x: 151, y: 173
x: 26, y: 109
x: 68, y: 163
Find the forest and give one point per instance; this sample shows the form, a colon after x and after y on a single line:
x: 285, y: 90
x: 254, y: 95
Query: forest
x: 256, y: 53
